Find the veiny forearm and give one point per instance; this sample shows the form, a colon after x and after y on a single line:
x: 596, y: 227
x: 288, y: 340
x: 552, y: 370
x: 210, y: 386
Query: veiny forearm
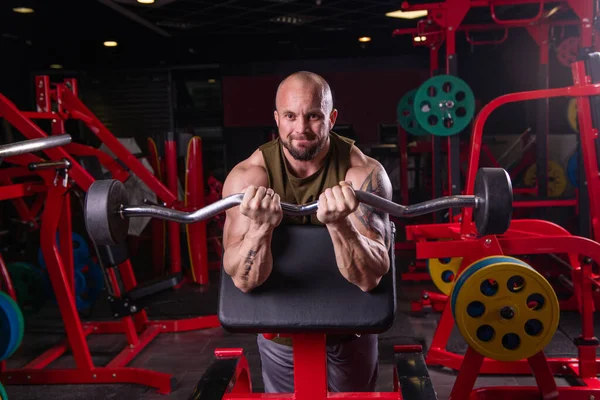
x: 362, y: 261
x: 250, y: 262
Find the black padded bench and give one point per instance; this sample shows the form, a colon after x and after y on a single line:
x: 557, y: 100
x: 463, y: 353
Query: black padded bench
x: 306, y: 296
x: 306, y: 293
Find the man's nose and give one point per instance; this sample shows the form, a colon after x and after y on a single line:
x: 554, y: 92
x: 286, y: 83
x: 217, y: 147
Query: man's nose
x: 302, y: 125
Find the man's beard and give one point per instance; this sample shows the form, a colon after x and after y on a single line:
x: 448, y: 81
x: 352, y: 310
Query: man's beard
x: 305, y: 153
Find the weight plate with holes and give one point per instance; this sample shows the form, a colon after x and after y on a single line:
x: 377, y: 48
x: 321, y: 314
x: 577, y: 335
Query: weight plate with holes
x: 81, y: 251
x: 572, y: 115
x: 444, y: 105
x: 28, y: 282
x: 94, y: 284
x: 12, y: 326
x: 573, y: 169
x: 103, y: 222
x: 89, y: 284
x: 406, y: 117
x: 504, y: 309
x: 81, y: 301
x: 557, y: 180
x: 493, y: 190
x: 566, y: 52
x: 443, y: 272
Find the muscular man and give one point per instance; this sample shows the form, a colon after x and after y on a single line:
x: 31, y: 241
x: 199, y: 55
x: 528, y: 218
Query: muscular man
x: 305, y: 163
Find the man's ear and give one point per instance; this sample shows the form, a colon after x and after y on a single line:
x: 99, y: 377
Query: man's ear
x: 333, y: 117
x: 276, y: 116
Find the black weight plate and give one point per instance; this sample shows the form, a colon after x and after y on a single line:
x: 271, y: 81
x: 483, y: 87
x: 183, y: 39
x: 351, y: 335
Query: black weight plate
x: 102, y: 219
x: 493, y: 213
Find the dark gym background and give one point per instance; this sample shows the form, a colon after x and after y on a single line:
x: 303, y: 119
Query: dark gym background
x: 217, y: 72
x: 211, y: 69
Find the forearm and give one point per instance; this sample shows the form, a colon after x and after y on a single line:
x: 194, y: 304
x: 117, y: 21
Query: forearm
x: 250, y: 262
x: 361, y: 260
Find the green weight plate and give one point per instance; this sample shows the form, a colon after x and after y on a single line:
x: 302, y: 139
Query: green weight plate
x: 12, y: 326
x: 444, y: 105
x: 3, y: 395
x: 405, y: 115
x: 28, y: 282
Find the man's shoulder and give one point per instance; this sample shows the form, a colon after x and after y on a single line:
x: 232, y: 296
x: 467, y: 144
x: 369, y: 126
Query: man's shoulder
x: 366, y: 173
x: 362, y: 163
x: 250, y: 171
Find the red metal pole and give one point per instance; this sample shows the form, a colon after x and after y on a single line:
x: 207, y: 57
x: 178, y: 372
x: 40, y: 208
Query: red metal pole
x: 480, y: 120
x: 585, y: 11
x: 465, y: 381
x: 7, y: 282
x: 587, y: 343
x: 42, y: 94
x: 543, y: 375
x: 403, y: 153
x: 588, y: 137
x: 159, y: 227
x: 65, y: 233
x: 171, y: 172
x: 310, y: 367
x: 59, y: 279
x: 194, y: 200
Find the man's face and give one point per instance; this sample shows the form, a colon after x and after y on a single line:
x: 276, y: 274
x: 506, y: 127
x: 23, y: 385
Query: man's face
x: 304, y: 119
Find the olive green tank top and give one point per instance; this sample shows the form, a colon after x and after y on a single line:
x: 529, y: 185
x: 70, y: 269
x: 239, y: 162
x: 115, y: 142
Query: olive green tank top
x: 296, y: 190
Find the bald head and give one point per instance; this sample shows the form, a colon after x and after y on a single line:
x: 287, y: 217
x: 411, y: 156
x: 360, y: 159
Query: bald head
x: 303, y: 81
x: 305, y: 115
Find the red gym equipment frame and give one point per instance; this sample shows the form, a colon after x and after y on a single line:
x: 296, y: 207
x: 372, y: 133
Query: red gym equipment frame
x: 138, y: 329
x: 71, y: 107
x: 526, y: 237
x: 443, y: 21
x: 310, y: 378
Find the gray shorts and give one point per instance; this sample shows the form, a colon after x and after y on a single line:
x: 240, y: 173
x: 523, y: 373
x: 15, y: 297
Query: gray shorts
x: 352, y: 366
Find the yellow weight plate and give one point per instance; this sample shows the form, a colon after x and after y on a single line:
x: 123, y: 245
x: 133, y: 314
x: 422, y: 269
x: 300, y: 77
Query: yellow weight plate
x: 505, y: 309
x: 572, y: 114
x: 443, y: 272
x: 557, y: 180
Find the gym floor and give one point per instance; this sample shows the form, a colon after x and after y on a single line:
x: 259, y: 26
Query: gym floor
x: 187, y: 355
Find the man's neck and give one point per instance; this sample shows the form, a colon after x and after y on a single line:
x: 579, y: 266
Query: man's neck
x: 303, y: 169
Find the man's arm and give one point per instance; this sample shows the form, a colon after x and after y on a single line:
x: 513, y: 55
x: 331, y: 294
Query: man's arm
x: 362, y: 239
x: 248, y: 228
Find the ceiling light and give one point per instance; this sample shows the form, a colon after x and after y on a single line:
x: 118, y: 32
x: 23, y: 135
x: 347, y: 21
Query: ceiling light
x: 407, y: 14
x: 288, y: 19
x: 23, y: 10
x: 212, y: 80
x: 417, y: 38
x: 364, y: 39
x: 423, y: 38
x: 110, y: 43
x: 145, y: 1
x: 56, y: 66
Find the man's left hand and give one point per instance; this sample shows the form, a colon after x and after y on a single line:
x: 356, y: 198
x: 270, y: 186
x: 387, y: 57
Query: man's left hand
x: 336, y: 203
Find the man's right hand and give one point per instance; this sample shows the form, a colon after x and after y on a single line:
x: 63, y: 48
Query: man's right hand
x: 262, y: 206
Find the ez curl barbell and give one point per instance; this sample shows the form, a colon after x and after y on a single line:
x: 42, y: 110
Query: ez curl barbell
x: 107, y: 211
